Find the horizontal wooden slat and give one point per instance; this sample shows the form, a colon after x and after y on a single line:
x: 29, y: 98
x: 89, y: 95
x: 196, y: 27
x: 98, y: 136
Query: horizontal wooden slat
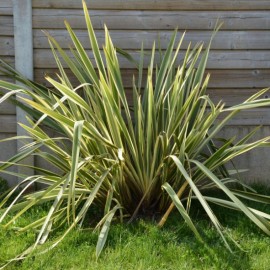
x: 6, y: 45
x: 230, y: 86
x: 217, y: 59
x: 251, y: 118
x: 7, y: 108
x: 133, y: 39
x: 157, y: 4
x: 244, y: 20
x: 8, y: 59
x: 6, y: 7
x: 230, y: 97
x: 7, y: 150
x: 239, y: 78
x: 219, y: 78
x: 8, y: 124
x: 6, y: 26
x: 233, y: 97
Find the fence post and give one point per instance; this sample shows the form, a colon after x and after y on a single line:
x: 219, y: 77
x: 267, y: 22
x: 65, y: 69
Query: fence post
x: 23, y: 41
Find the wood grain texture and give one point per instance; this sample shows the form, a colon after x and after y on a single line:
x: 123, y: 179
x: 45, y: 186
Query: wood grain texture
x: 6, y: 45
x: 224, y: 79
x: 7, y: 108
x: 230, y: 86
x: 231, y: 78
x: 132, y: 39
x: 157, y: 4
x: 8, y: 59
x: 160, y: 20
x: 232, y: 96
x: 5, y: 7
x: 7, y: 150
x: 229, y: 96
x: 217, y: 59
x: 250, y: 118
x: 6, y: 26
x: 8, y: 124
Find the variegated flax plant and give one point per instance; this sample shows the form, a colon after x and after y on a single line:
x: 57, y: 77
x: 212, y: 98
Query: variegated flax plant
x: 122, y: 159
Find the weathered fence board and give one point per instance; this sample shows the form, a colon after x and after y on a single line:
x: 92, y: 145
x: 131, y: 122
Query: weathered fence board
x: 8, y: 124
x: 7, y: 109
x: 217, y: 59
x: 160, y: 20
x: 6, y: 46
x: 251, y: 118
x: 132, y: 39
x: 247, y: 118
x: 157, y: 4
x: 6, y: 7
x: 8, y: 59
x: 7, y: 150
x: 254, y: 78
x: 6, y: 26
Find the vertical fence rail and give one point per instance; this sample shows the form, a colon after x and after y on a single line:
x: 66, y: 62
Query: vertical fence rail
x: 23, y: 43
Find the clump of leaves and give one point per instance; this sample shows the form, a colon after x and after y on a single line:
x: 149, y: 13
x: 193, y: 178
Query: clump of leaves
x: 125, y: 160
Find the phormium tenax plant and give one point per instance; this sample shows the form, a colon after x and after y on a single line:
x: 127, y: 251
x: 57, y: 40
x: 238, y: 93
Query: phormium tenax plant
x: 126, y: 160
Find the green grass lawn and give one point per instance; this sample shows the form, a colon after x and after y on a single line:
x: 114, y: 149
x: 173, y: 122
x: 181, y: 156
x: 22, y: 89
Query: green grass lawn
x: 142, y: 245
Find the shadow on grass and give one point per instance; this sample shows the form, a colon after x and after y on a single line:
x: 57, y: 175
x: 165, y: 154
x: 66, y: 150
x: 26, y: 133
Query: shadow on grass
x: 141, y: 245
x: 144, y: 246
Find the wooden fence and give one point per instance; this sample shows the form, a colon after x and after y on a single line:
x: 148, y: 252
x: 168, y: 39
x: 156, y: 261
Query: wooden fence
x: 8, y: 125
x: 239, y: 62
